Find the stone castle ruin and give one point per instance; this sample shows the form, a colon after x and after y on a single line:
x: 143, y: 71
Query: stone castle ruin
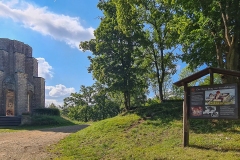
x: 21, y: 90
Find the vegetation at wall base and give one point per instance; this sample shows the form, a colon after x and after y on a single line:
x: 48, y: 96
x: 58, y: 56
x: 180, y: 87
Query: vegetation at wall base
x: 46, y: 111
x: 152, y: 132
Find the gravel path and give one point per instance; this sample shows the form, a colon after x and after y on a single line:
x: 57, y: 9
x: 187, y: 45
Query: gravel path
x: 31, y: 145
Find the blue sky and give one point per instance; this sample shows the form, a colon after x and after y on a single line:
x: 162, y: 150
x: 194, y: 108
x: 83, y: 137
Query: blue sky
x: 54, y: 29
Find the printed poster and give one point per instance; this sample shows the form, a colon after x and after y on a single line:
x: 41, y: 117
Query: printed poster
x: 214, y: 102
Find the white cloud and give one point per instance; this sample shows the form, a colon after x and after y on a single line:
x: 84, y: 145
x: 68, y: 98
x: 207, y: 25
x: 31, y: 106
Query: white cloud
x: 59, y: 90
x: 11, y: 2
x: 56, y: 94
x: 178, y: 67
x: 40, y: 19
x: 55, y: 101
x: 44, y: 69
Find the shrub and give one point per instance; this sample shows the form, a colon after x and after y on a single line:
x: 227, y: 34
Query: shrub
x: 46, y: 111
x: 26, y: 113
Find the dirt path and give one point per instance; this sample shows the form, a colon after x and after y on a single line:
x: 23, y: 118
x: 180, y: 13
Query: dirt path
x: 31, y: 145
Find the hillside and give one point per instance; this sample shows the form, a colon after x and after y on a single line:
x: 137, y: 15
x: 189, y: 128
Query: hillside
x: 152, y: 133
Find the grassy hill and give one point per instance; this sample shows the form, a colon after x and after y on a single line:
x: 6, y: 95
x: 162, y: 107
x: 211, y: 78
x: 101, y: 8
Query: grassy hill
x: 155, y: 133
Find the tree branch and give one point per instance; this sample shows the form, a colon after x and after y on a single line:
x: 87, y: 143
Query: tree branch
x: 224, y: 18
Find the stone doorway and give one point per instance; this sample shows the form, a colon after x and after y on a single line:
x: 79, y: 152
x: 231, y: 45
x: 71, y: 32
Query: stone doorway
x: 10, y: 103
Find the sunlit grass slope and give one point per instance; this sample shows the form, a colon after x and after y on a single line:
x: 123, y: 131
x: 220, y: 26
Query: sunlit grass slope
x: 152, y: 133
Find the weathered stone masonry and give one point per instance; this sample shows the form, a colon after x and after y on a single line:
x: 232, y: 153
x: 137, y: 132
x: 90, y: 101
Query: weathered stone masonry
x: 21, y: 90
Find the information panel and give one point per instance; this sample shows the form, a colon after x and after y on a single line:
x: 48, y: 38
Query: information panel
x: 214, y: 102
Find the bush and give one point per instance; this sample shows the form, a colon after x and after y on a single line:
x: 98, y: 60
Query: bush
x: 44, y: 120
x: 26, y: 113
x: 93, y: 113
x: 167, y: 110
x: 46, y: 111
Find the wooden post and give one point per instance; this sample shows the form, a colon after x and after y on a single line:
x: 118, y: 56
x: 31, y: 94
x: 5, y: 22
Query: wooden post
x: 185, y: 118
x: 211, y: 77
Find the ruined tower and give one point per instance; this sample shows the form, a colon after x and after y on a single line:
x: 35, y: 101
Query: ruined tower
x: 21, y: 90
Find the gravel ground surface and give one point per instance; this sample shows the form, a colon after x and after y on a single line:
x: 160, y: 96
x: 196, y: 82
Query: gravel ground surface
x: 31, y: 145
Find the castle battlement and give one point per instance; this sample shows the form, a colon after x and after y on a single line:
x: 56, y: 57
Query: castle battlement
x: 13, y: 46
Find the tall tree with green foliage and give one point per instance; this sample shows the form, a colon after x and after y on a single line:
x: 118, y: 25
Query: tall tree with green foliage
x: 75, y: 99
x: 90, y: 103
x: 114, y: 55
x: 206, y: 80
x: 155, y: 17
x: 84, y: 97
x: 209, y: 33
x: 178, y: 92
x: 52, y: 105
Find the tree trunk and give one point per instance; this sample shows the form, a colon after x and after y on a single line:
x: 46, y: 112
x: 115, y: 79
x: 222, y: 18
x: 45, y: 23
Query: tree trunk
x: 127, y: 100
x: 158, y: 76
x: 232, y: 63
x: 219, y: 54
x: 85, y: 117
x: 231, y: 37
x: 163, y: 75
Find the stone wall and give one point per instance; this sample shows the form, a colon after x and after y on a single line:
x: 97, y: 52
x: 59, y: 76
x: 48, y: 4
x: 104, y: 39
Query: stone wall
x: 4, y: 61
x: 2, y: 112
x: 35, y: 67
x: 29, y: 68
x: 21, y: 93
x: 39, y: 99
x: 19, y: 76
x: 19, y: 62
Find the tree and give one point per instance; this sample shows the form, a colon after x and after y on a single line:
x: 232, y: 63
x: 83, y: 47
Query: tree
x: 75, y: 99
x: 167, y: 85
x: 188, y: 71
x: 114, y: 55
x: 178, y: 92
x: 80, y: 113
x: 155, y: 16
x: 77, y: 105
x: 166, y: 88
x: 91, y: 103
x: 216, y: 80
x: 52, y: 105
x: 209, y: 33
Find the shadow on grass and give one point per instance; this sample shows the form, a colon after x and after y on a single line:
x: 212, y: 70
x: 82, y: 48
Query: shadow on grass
x: 65, y: 129
x: 166, y: 112
x: 214, y: 125
x: 215, y: 148
x: 47, y: 123
x: 62, y: 129
x: 170, y: 111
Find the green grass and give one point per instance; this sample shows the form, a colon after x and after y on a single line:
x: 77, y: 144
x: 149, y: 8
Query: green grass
x: 152, y: 133
x: 42, y: 122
